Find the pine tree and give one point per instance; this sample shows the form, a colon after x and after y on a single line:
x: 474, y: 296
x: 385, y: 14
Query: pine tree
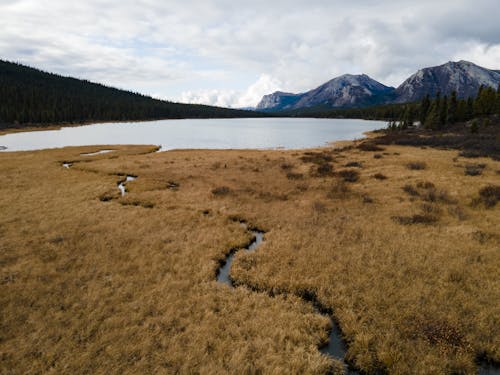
x: 424, y: 109
x: 453, y: 108
x: 443, y: 112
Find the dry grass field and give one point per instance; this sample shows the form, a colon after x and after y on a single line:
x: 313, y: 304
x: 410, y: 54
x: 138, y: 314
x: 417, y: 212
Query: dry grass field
x: 402, y: 243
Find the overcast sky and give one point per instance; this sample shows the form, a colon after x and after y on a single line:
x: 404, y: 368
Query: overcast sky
x: 231, y: 52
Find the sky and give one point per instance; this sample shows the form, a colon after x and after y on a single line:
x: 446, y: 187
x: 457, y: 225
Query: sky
x: 231, y: 53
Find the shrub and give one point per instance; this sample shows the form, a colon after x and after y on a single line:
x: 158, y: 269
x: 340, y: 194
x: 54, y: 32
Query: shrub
x: 377, y: 156
x: 380, y: 176
x: 221, y: 190
x: 324, y: 169
x: 286, y: 166
x: 294, y: 176
x: 349, y: 175
x: 425, y: 185
x: 354, y: 164
x: 369, y: 146
x: 423, y: 218
x: 416, y: 165
x: 367, y: 199
x: 316, y: 157
x: 409, y: 189
x: 474, y: 169
x: 490, y: 195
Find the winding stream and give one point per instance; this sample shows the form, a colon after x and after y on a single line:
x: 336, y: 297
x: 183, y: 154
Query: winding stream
x: 335, y: 348
x: 121, y: 184
x: 97, y: 153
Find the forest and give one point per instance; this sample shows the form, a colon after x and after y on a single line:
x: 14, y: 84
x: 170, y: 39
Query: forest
x: 29, y: 96
x: 434, y: 113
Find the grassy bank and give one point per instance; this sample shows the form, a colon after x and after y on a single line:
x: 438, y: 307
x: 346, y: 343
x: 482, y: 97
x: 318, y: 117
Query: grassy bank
x: 401, y: 242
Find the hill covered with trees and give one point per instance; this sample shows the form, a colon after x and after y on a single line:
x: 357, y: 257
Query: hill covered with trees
x: 29, y: 96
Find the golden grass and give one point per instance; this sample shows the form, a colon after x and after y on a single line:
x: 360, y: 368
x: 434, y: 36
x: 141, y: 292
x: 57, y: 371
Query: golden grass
x: 128, y: 284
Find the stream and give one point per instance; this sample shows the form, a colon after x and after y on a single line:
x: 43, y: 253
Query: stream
x: 121, y: 184
x: 335, y: 348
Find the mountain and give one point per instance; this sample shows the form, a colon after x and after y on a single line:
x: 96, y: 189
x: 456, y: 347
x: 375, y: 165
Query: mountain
x: 463, y: 77
x: 342, y: 92
x: 31, y: 96
x: 356, y: 91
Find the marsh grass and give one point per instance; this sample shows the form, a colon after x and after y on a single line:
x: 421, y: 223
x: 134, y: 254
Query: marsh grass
x: 94, y: 287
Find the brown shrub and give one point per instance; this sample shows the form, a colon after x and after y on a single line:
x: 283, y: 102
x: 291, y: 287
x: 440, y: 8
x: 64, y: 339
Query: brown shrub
x: 423, y: 218
x: 377, y: 156
x: 409, y: 189
x: 286, y: 166
x: 294, y: 176
x: 474, y: 169
x: 370, y: 146
x: 416, y: 165
x: 316, y: 157
x: 354, y: 164
x: 349, y: 175
x: 379, y: 176
x: 489, y: 195
x: 325, y: 169
x: 221, y: 190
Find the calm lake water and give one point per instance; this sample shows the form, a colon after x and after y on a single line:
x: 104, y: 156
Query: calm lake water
x: 287, y: 133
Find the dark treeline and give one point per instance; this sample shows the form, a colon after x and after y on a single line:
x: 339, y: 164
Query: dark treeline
x: 30, y: 96
x: 435, y: 113
x: 444, y: 111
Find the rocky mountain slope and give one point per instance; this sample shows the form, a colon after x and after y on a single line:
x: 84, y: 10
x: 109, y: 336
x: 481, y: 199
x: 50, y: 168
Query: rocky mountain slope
x: 463, y: 77
x: 351, y: 91
x: 344, y: 91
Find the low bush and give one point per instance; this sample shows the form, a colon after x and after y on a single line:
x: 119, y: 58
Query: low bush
x: 409, y: 189
x: 324, y: 169
x: 316, y: 157
x: 423, y: 218
x: 354, y: 164
x: 349, y: 175
x: 489, y: 196
x: 369, y: 146
x: 221, y: 190
x: 474, y: 169
x: 416, y: 165
x: 294, y: 176
x: 380, y: 176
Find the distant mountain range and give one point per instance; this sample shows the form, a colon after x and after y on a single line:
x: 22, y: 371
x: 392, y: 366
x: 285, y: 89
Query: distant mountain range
x: 352, y: 91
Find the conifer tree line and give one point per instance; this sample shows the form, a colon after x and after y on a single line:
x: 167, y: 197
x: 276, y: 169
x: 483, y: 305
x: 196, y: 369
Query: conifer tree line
x: 30, y: 96
x: 444, y: 111
x: 436, y: 113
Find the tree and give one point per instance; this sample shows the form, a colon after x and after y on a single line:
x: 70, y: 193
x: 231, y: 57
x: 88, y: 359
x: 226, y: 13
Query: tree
x: 443, y: 112
x: 424, y: 109
x: 453, y: 108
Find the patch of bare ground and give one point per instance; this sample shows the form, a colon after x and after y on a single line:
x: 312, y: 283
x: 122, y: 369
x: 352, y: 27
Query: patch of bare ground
x: 92, y: 286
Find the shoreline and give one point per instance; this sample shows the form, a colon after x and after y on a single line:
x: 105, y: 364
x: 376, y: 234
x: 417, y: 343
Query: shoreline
x: 34, y: 128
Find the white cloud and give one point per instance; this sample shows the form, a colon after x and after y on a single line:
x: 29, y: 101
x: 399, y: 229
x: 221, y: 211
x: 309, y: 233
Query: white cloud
x: 209, y: 50
x: 234, y: 99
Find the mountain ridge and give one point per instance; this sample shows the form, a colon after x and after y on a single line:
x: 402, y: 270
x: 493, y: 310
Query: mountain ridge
x: 356, y: 91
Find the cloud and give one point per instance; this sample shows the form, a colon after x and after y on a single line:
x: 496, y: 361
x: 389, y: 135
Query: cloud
x: 231, y: 98
x: 229, y: 53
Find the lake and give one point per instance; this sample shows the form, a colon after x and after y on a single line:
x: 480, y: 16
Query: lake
x: 256, y: 133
